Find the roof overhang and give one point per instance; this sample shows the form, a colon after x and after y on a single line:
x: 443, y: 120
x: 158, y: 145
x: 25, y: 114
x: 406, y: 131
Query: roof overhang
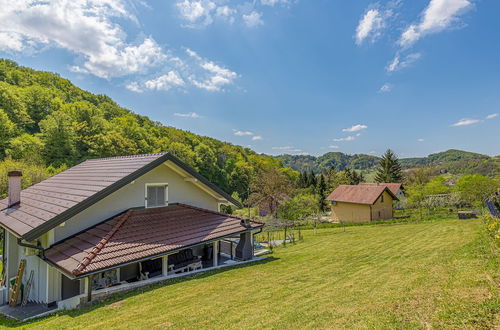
x: 167, y: 157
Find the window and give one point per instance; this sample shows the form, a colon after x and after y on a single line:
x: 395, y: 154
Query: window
x: 382, y: 199
x: 156, y: 194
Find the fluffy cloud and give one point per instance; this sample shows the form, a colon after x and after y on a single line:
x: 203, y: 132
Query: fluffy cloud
x: 196, y: 13
x: 256, y: 138
x: 191, y: 71
x: 420, y: 140
x: 439, y: 15
x: 466, y: 122
x: 386, y: 88
x: 213, y: 77
x: 369, y: 26
x: 493, y: 115
x: 274, y: 2
x: 347, y: 138
x: 355, y: 128
x: 242, y: 133
x: 333, y: 147
x: 287, y: 149
x: 83, y: 27
x: 165, y: 82
x: 201, y: 13
x: 192, y: 115
x: 399, y: 63
x: 253, y: 19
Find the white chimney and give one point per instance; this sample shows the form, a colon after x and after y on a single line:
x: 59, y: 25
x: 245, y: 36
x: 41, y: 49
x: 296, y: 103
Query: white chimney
x: 14, y: 187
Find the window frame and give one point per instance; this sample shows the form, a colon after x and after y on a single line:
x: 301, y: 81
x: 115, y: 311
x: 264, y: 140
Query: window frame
x: 158, y: 184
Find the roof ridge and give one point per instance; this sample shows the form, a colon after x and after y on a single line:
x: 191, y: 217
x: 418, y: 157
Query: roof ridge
x: 128, y: 156
x: 99, y: 246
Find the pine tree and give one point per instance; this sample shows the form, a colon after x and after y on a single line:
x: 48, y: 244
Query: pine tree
x: 321, y: 190
x: 312, y: 179
x: 389, y: 169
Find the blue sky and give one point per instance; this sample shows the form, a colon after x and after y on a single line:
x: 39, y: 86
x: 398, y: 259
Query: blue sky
x: 281, y: 76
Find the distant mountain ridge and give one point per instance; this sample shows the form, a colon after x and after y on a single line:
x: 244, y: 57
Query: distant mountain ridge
x: 453, y: 161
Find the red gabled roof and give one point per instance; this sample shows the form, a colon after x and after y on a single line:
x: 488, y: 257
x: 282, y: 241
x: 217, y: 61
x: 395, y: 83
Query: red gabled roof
x: 141, y: 233
x: 393, y: 187
x: 54, y: 200
x: 359, y: 194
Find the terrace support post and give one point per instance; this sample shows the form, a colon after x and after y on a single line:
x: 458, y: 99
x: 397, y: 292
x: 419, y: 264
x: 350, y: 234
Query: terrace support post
x: 244, y: 249
x: 215, y: 254
x: 88, y: 287
x: 165, y: 266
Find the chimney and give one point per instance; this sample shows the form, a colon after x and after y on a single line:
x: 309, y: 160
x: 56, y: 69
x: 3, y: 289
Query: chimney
x: 14, y: 187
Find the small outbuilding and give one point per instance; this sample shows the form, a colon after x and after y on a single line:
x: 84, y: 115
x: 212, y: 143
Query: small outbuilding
x: 361, y: 203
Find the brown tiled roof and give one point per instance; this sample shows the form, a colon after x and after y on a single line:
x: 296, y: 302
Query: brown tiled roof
x: 56, y: 199
x: 393, y: 187
x: 360, y: 194
x: 141, y: 233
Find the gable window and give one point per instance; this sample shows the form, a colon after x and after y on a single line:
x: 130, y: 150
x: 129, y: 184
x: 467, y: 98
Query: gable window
x: 382, y: 198
x: 156, y: 194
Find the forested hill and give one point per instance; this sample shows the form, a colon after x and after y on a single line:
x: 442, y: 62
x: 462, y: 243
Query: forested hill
x: 47, y: 123
x: 452, y: 161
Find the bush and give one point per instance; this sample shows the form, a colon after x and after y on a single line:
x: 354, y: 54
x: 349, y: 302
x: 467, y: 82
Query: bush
x: 493, y: 227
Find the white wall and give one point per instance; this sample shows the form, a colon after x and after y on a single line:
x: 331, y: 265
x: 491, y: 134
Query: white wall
x: 132, y: 195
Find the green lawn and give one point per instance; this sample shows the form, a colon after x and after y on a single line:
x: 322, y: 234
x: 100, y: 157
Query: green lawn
x: 434, y: 274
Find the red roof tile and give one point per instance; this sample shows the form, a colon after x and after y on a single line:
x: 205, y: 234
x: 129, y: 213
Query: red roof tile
x: 56, y: 199
x: 393, y: 187
x: 360, y: 194
x: 141, y: 233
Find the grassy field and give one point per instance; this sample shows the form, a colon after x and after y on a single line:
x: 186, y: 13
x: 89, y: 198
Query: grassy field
x: 437, y: 274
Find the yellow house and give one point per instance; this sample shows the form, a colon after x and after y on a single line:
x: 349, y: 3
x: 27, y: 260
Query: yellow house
x: 361, y: 203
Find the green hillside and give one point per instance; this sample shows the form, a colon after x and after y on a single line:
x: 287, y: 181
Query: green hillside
x: 452, y: 161
x: 47, y: 124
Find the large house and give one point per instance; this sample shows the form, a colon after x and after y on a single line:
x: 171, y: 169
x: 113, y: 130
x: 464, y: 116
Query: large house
x: 361, y: 203
x: 115, y: 223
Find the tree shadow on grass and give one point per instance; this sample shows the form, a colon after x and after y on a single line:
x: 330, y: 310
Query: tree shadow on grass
x: 119, y: 296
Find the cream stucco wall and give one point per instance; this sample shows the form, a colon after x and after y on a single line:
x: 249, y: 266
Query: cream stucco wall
x: 350, y: 212
x: 132, y: 195
x: 382, y: 210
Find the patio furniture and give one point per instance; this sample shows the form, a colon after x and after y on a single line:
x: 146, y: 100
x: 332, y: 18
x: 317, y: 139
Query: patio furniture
x: 182, y: 260
x: 195, y: 266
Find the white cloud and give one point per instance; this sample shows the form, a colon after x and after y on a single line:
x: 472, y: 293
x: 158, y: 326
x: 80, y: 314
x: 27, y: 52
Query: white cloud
x: 348, y: 138
x: 253, y: 19
x: 369, y: 26
x: 214, y: 77
x: 439, y: 15
x: 493, y: 115
x: 386, y: 88
x: 333, y: 147
x: 134, y: 87
x: 274, y: 2
x: 192, y: 115
x: 355, y: 128
x: 256, y: 138
x: 420, y: 140
x: 226, y: 13
x: 466, y: 122
x: 287, y: 149
x: 83, y: 27
x: 196, y: 13
x: 242, y: 133
x: 165, y: 82
x: 398, y: 64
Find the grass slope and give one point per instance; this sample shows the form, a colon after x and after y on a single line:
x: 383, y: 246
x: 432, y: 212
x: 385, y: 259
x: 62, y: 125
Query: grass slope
x: 434, y: 274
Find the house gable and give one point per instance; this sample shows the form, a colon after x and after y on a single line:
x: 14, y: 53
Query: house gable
x: 132, y: 195
x: 61, y: 197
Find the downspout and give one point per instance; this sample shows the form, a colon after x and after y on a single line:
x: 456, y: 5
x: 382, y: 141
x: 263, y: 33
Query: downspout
x: 37, y: 247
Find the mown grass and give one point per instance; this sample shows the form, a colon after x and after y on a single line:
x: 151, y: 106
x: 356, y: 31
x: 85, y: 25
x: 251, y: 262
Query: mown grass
x: 438, y: 274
